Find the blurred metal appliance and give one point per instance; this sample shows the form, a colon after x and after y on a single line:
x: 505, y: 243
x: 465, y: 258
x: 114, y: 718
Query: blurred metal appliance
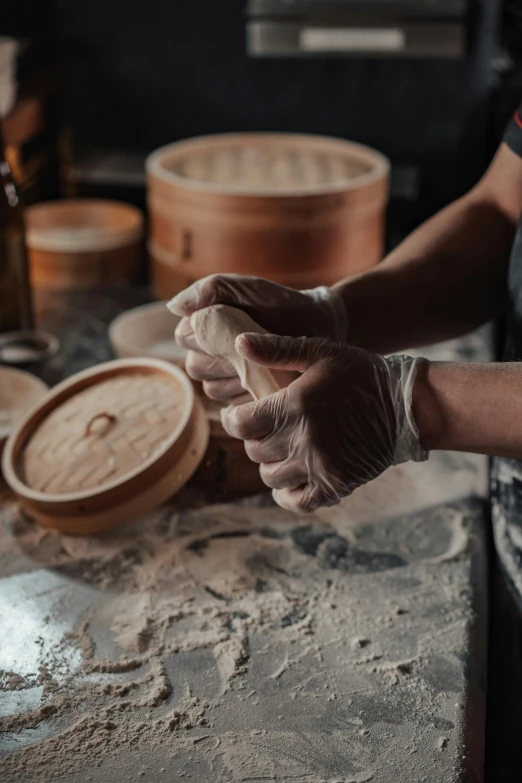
x: 357, y: 28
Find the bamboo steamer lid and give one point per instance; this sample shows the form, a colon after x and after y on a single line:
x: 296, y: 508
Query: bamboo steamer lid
x: 107, y: 445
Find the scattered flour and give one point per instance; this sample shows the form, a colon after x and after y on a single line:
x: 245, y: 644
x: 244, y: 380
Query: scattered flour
x: 240, y: 584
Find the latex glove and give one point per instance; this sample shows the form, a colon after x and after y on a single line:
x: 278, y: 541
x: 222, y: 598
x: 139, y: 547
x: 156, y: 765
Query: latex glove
x: 317, y: 312
x: 345, y: 420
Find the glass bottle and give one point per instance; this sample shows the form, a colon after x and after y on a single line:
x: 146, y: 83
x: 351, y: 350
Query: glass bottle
x: 16, y: 310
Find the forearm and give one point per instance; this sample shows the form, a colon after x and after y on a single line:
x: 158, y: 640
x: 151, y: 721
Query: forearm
x: 470, y: 407
x: 445, y: 279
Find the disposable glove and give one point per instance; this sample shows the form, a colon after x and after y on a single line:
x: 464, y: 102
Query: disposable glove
x: 345, y: 420
x: 318, y: 312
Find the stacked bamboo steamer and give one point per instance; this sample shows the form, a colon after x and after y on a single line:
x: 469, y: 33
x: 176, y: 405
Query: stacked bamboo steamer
x: 300, y: 210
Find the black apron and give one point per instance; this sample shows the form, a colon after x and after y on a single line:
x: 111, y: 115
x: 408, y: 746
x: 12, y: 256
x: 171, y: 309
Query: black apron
x: 506, y: 474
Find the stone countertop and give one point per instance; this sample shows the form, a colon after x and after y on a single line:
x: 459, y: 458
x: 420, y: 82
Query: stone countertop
x: 238, y: 642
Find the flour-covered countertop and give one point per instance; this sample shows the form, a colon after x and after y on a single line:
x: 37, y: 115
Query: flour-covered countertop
x: 238, y: 642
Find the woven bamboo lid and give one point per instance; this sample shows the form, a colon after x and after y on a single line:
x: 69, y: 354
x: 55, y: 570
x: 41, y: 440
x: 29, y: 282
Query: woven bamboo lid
x: 107, y: 445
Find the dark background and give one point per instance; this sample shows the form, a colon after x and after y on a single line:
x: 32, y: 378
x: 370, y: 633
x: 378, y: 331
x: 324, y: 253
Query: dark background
x: 141, y: 74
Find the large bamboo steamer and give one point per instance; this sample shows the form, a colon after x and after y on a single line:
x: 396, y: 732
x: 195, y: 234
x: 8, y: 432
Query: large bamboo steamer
x: 300, y: 210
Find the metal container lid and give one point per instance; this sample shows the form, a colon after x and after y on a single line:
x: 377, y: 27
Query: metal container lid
x: 107, y: 445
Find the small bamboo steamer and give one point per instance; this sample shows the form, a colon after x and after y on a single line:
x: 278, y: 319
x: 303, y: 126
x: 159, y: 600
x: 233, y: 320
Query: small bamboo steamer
x: 226, y: 468
x: 227, y: 471
x: 107, y: 445
x: 147, y: 331
x: 83, y: 243
x: 19, y: 391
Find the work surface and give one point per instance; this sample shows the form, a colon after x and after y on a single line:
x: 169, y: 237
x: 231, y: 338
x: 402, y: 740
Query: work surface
x: 238, y: 642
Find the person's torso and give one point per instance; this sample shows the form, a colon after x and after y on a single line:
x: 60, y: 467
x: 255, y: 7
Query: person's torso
x: 506, y: 474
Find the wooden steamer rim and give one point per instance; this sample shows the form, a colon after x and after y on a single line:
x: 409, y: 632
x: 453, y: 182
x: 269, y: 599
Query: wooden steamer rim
x: 20, y: 391
x: 144, y: 487
x: 158, y: 163
x: 137, y: 332
x: 82, y: 225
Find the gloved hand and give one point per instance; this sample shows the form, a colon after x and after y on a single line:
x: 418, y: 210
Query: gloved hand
x: 345, y: 420
x: 316, y: 313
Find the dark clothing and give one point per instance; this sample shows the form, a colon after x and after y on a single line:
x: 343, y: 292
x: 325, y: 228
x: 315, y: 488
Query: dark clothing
x: 506, y: 477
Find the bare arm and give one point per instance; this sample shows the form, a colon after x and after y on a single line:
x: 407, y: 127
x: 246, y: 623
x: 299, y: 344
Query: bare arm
x: 470, y: 407
x: 446, y: 278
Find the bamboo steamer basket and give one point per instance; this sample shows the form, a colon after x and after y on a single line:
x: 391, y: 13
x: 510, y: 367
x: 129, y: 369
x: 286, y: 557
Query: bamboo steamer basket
x: 147, y: 331
x: 226, y: 472
x: 226, y: 469
x: 83, y: 243
x: 300, y: 210
x: 19, y: 391
x: 169, y: 275
x: 107, y: 445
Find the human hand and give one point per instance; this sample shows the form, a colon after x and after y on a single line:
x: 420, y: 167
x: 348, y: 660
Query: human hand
x: 344, y: 421
x: 316, y: 313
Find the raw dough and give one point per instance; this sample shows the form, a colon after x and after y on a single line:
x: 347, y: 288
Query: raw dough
x: 216, y: 328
